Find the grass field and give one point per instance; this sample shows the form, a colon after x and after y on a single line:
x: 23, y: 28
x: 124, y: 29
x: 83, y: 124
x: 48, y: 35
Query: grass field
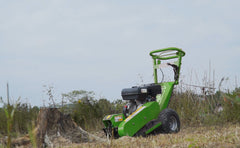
x: 190, y: 137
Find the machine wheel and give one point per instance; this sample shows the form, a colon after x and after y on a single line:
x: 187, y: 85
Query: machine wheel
x: 170, y: 121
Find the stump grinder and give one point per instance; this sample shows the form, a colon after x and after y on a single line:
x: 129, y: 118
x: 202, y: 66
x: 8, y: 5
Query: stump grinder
x: 147, y: 109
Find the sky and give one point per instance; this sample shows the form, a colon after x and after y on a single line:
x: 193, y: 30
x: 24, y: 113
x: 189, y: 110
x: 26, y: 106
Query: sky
x: 103, y: 46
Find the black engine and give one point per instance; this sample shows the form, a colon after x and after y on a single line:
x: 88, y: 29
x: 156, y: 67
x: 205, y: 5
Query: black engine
x: 138, y: 95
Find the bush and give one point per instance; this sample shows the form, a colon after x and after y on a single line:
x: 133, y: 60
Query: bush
x: 214, y: 109
x: 89, y: 115
x: 24, y: 115
x: 88, y: 112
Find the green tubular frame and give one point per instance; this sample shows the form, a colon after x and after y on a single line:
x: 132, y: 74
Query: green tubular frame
x: 167, y: 87
x: 157, y: 60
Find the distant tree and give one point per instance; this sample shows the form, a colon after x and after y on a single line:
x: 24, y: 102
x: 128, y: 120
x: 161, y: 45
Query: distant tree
x: 79, y: 95
x: 118, y: 105
x: 104, y: 107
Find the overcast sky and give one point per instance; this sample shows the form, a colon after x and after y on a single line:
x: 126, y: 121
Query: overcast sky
x: 103, y: 46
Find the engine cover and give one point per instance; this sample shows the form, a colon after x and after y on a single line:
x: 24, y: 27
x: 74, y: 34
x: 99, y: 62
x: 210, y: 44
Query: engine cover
x: 141, y: 92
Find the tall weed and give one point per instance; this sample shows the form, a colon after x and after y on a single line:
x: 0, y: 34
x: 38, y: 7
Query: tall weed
x: 197, y: 110
x: 9, y: 113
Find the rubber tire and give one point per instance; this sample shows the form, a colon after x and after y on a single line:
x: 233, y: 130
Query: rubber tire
x: 166, y: 117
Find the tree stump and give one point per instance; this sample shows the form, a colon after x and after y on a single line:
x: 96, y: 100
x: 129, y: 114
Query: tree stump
x: 52, y: 124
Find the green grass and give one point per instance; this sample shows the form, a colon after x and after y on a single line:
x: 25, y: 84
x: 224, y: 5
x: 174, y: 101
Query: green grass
x: 32, y: 135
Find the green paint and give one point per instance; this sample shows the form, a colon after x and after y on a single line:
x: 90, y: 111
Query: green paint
x: 163, y: 99
x: 138, y: 119
x: 157, y: 60
x: 115, y: 119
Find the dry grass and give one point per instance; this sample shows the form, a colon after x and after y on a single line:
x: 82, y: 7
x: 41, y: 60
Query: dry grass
x: 213, y: 136
x: 227, y: 135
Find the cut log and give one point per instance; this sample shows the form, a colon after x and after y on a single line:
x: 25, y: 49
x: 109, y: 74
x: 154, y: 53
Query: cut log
x: 51, y: 125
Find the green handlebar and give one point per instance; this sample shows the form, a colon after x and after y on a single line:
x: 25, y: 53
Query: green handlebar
x: 179, y: 53
x: 166, y: 54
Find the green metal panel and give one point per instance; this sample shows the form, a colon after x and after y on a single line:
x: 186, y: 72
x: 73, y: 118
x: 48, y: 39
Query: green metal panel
x: 164, y: 97
x: 114, y: 119
x: 138, y: 119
